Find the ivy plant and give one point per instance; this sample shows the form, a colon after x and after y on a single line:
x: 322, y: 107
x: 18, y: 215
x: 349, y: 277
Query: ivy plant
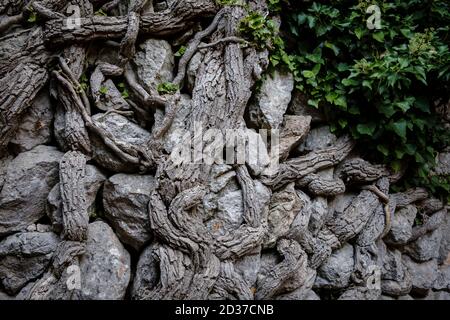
x: 382, y: 86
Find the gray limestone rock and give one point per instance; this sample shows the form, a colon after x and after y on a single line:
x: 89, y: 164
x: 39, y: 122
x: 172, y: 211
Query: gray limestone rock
x: 426, y: 247
x: 105, y: 267
x: 443, y: 164
x: 191, y: 72
x: 125, y: 200
x: 444, y: 250
x: 4, y: 162
x: 336, y: 271
x: 443, y: 279
x: 401, y: 226
x: 423, y: 274
x: 28, y: 181
x: 36, y: 126
x: 123, y: 131
x: 154, y: 62
x: 24, y: 257
x: 147, y: 272
x: 317, y: 139
x: 273, y: 100
x: 284, y: 207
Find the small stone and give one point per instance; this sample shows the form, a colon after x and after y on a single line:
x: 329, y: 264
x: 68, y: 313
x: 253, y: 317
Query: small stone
x: 295, y: 128
x: 4, y: 162
x: 401, y: 226
x: 443, y: 279
x: 444, y: 250
x: 284, y: 207
x: 147, y: 272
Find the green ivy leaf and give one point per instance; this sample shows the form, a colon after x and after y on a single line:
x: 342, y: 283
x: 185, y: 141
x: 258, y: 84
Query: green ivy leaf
x: 359, y: 32
x: 383, y: 149
x: 379, y: 36
x: 367, y: 128
x: 343, y: 123
x: 313, y: 103
x: 422, y: 104
x: 399, y: 128
x: 308, y: 74
x: 396, y: 166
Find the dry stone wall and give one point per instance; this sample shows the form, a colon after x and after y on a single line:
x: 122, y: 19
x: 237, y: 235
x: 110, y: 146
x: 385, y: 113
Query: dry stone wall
x: 93, y: 206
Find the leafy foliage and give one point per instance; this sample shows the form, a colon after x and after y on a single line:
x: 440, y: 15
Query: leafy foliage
x: 264, y: 33
x: 100, y: 13
x: 167, y: 88
x: 379, y: 85
x: 180, y: 51
x: 230, y: 2
x: 123, y: 90
x: 32, y: 15
x: 103, y: 90
x: 84, y: 84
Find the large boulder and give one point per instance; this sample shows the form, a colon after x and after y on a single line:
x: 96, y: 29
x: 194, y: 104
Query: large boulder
x: 24, y: 257
x: 29, y: 179
x: 125, y: 200
x: 105, y: 267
